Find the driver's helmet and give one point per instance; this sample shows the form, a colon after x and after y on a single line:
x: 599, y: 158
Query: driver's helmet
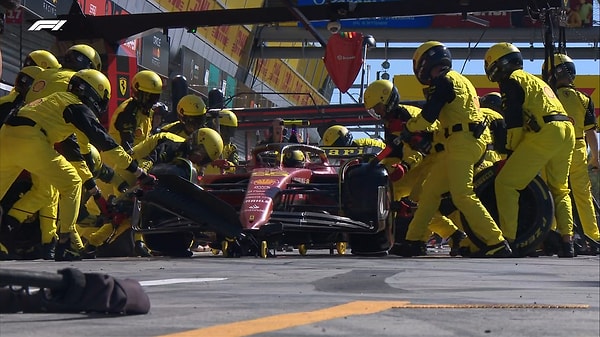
x: 25, y: 79
x: 191, y: 111
x: 429, y: 55
x: 93, y: 89
x: 146, y: 87
x: 82, y: 56
x: 492, y: 100
x: 41, y: 58
x: 501, y: 60
x: 381, y: 92
x: 337, y: 135
x: 564, y: 69
x: 294, y: 158
x: 206, y: 145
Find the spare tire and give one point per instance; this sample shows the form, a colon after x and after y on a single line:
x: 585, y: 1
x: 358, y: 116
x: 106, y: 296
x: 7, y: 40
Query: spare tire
x: 536, y: 210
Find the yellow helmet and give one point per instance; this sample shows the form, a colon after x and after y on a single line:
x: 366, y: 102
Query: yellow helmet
x: 564, y: 69
x: 146, y: 87
x: 206, y: 145
x: 41, y: 58
x: 25, y: 78
x: 191, y: 111
x: 82, y: 56
x: 380, y: 91
x: 294, y: 158
x: 492, y: 100
x: 93, y: 89
x: 228, y: 118
x: 337, y: 135
x: 501, y: 60
x: 427, y: 56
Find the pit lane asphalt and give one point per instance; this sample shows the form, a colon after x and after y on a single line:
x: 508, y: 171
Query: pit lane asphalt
x: 331, y: 295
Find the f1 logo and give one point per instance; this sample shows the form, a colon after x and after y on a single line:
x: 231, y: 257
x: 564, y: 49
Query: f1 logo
x: 53, y: 25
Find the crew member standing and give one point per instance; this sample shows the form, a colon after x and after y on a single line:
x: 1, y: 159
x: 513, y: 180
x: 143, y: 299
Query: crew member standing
x: 580, y: 109
x: 452, y: 100
x: 539, y: 135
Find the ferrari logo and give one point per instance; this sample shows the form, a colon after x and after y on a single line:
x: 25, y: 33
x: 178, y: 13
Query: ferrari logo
x: 122, y: 86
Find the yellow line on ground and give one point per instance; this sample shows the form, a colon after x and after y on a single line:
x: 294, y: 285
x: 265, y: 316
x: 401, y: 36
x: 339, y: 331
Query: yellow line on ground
x: 284, y: 321
x: 494, y: 306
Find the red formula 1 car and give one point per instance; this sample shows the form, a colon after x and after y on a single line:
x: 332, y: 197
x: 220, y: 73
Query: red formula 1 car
x: 291, y: 195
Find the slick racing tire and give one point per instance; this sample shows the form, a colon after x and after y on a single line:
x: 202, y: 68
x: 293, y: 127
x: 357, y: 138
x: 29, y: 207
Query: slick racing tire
x: 536, y: 211
x: 366, y: 196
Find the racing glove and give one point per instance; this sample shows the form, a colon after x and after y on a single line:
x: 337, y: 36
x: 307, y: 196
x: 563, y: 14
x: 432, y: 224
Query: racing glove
x: 223, y: 164
x: 144, y: 178
x: 399, y: 170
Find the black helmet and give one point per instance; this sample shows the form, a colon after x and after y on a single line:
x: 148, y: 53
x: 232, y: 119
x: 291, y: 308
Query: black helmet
x: 492, y: 100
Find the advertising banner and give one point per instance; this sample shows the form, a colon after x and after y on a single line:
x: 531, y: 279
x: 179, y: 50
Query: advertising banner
x: 579, y: 14
x: 194, y: 68
x: 155, y: 53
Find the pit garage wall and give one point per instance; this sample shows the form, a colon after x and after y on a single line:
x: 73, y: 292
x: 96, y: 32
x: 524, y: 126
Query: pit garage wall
x: 410, y: 89
x: 227, y: 48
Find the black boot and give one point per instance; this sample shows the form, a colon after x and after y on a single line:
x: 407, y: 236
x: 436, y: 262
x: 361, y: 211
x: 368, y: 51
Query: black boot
x: 65, y: 252
x: 48, y: 250
x: 409, y: 248
x: 89, y: 252
x: 566, y: 249
x: 501, y: 249
x: 10, y: 222
x: 454, y: 242
x: 141, y: 249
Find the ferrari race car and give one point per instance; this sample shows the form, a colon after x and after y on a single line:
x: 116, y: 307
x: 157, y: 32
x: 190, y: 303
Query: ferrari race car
x: 288, y: 195
x: 291, y: 195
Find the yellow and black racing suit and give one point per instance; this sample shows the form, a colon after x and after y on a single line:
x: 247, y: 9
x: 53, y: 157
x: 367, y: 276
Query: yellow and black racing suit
x: 49, y: 81
x: 9, y: 103
x: 27, y: 143
x: 418, y: 158
x: 540, y: 136
x: 580, y: 109
x: 162, y: 147
x: 453, y: 101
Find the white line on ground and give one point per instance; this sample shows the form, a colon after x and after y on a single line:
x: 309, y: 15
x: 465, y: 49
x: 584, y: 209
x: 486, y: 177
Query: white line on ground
x: 179, y: 280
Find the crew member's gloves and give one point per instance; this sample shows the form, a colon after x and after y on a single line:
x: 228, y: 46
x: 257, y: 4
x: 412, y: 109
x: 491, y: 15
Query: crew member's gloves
x: 144, y: 178
x: 223, y: 164
x: 399, y: 170
x: 101, y: 203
